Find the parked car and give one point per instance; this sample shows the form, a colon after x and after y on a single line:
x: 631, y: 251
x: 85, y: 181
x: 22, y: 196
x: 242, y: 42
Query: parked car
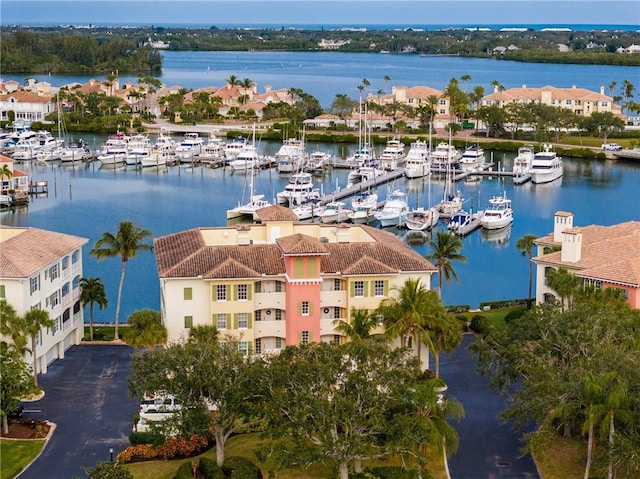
x: 161, y: 403
x: 611, y: 147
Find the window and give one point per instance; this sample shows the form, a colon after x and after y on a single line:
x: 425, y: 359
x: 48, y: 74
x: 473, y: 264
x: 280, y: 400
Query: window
x: 279, y: 286
x: 258, y: 288
x: 378, y: 287
x: 242, y: 292
x: 358, y: 288
x: 278, y: 343
x: 35, y: 283
x: 74, y: 257
x: 304, y: 337
x: 258, y: 346
x: 65, y: 263
x: 278, y: 315
x: 53, y: 272
x: 243, y: 347
x: 75, y: 284
x: 221, y: 292
x: 337, y: 284
x: 304, y: 308
x: 188, y: 322
x: 222, y: 321
x: 56, y: 325
x: 53, y: 300
x: 594, y: 283
x: 336, y: 312
x: 66, y: 288
x: 336, y: 339
x: 259, y: 315
x: 243, y: 320
x: 187, y: 294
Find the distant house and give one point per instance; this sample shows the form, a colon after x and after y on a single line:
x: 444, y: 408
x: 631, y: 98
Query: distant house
x: 601, y: 256
x: 629, y: 49
x: 19, y: 180
x: 26, y: 105
x: 42, y: 269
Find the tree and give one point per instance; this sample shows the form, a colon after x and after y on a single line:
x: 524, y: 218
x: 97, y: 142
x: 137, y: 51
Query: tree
x: 405, y: 313
x: 525, y: 245
x: 106, y: 470
x: 233, y: 81
x: 146, y: 329
x: 15, y: 382
x: 92, y: 292
x: 446, y: 248
x: 5, y: 172
x: 333, y: 401
x: 14, y: 326
x: 564, y: 283
x: 200, y: 372
x: 126, y: 243
x: 204, y: 334
x: 35, y: 320
x: 342, y: 105
x: 443, y: 329
x: 359, y: 326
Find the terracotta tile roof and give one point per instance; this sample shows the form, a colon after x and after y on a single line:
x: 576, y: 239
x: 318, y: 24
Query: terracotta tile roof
x: 276, y: 213
x: 32, y: 250
x: 529, y: 93
x: 5, y: 159
x: 301, y: 244
x: 174, y: 248
x: 396, y: 258
x: 231, y: 268
x: 27, y: 97
x: 609, y: 253
x: 368, y: 265
x: 422, y: 92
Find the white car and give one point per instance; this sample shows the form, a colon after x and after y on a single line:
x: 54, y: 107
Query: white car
x: 160, y: 404
x: 611, y: 147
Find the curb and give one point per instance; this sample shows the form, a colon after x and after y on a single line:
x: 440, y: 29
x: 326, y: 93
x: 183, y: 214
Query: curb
x: 44, y: 446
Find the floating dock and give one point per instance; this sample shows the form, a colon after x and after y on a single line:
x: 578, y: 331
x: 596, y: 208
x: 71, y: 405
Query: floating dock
x: 473, y: 225
x: 521, y: 179
x: 362, y: 186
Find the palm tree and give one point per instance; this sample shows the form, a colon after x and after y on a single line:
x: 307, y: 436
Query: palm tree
x: 126, y: 243
x: 360, y: 326
x: 92, y: 292
x: 204, y: 334
x: 146, y: 329
x: 5, y: 172
x: 35, y: 320
x: 525, y: 245
x: 446, y: 248
x: 233, y: 81
x: 564, y: 283
x: 443, y: 329
x: 386, y: 79
x: 464, y: 79
x: 405, y: 314
x: 14, y: 326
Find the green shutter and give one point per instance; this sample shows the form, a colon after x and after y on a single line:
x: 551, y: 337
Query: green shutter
x: 2, y: 291
x: 311, y: 267
x: 300, y: 337
x: 298, y: 267
x: 188, y: 293
x: 353, y: 288
x: 365, y: 288
x: 188, y: 321
x: 310, y: 337
x: 310, y: 308
x: 385, y: 287
x: 300, y: 308
x: 235, y: 292
x: 235, y: 320
x: 228, y: 320
x: 249, y: 320
x: 249, y: 292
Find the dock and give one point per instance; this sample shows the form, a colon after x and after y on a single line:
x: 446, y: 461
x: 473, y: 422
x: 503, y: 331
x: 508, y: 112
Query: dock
x: 473, y: 225
x: 39, y: 188
x: 521, y: 179
x: 362, y: 186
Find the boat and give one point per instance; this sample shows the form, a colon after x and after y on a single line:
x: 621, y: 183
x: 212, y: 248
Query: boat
x: 255, y: 203
x: 115, y: 150
x: 394, y: 211
x: 233, y: 147
x: 164, y: 142
x: 75, y: 150
x: 421, y: 219
x: 139, y: 147
x: 299, y: 190
x: 522, y: 161
x: 459, y: 220
x: 26, y: 149
x: 318, y: 161
x: 498, y: 213
x: 546, y: 166
x: 334, y: 212
x: 247, y: 160
x: 291, y: 156
x: 364, y: 208
x: 363, y: 174
x: 213, y: 150
x: 417, y: 163
x: 392, y: 155
x: 363, y: 155
x: 157, y: 159
x: 472, y: 157
x: 444, y: 156
x: 189, y: 148
x: 308, y: 210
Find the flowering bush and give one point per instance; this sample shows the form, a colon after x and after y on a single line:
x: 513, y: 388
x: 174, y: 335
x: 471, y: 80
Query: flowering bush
x: 170, y: 449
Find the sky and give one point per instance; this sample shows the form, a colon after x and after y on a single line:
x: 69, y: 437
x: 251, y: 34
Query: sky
x: 320, y: 12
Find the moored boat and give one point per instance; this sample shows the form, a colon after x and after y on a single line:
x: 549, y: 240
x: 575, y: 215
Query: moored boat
x: 522, y: 161
x: 392, y: 155
x: 189, y: 148
x: 472, y: 157
x: 546, y: 166
x: 445, y: 156
x: 299, y: 190
x: 394, y: 211
x: 334, y: 212
x: 421, y: 219
x: 498, y: 213
x: 417, y: 163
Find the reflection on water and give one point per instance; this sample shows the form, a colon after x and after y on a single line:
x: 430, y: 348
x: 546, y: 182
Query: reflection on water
x: 497, y: 238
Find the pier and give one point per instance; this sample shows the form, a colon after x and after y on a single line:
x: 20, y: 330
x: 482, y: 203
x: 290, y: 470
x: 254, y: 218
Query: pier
x: 362, y: 186
x: 39, y: 188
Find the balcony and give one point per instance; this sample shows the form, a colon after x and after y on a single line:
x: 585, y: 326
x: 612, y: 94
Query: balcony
x: 269, y: 300
x: 326, y: 326
x: 265, y: 329
x: 333, y: 298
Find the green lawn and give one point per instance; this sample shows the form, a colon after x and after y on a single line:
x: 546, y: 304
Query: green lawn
x: 562, y: 459
x: 14, y: 455
x: 244, y: 445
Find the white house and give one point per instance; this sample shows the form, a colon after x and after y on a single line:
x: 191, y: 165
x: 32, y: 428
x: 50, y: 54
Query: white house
x: 26, y: 105
x: 41, y: 269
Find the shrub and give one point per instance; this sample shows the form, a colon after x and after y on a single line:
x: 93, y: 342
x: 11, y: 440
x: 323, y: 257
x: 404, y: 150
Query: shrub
x: 506, y: 303
x: 236, y: 467
x: 480, y: 324
x: 140, y: 452
x: 394, y: 472
x: 209, y: 469
x: 184, y: 471
x: 459, y: 308
x: 154, y: 438
x: 515, y: 314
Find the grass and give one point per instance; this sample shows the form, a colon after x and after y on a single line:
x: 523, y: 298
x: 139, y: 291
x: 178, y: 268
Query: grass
x: 15, y: 455
x: 105, y: 333
x: 496, y: 316
x: 244, y: 445
x: 562, y: 459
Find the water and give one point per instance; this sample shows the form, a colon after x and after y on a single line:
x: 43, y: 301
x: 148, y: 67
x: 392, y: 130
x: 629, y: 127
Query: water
x: 88, y: 201
x: 325, y: 74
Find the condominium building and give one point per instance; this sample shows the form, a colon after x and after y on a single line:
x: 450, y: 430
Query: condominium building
x: 41, y: 269
x: 280, y: 282
x: 602, y: 256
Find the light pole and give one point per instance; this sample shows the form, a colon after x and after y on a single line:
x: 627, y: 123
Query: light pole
x: 111, y: 453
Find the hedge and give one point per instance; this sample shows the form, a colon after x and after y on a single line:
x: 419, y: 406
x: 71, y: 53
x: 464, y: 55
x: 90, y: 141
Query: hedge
x: 236, y: 467
x: 505, y: 303
x: 395, y: 472
x: 184, y: 471
x: 209, y: 469
x: 154, y: 438
x: 459, y: 308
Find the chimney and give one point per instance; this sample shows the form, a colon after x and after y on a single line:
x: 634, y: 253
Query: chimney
x: 561, y: 221
x: 571, y: 246
x: 602, y: 90
x: 524, y: 87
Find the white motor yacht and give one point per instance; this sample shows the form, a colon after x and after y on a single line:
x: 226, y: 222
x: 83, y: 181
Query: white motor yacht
x: 291, y: 156
x: 417, y: 163
x: 522, y: 162
x: 546, y: 166
x: 299, y: 190
x: 334, y: 212
x: 308, y: 210
x: 233, y: 147
x: 421, y: 219
x: 189, y: 148
x: 363, y: 174
x: 318, y: 161
x: 498, y: 213
x: 248, y: 159
x: 392, y: 155
x: 445, y: 156
x: 394, y: 211
x: 472, y: 157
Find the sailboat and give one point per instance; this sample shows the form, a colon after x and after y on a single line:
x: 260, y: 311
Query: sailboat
x: 420, y: 218
x: 255, y: 203
x: 450, y: 203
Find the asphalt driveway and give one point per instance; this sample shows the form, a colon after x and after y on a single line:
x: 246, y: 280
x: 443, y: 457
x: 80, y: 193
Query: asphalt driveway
x: 489, y: 449
x: 86, y: 396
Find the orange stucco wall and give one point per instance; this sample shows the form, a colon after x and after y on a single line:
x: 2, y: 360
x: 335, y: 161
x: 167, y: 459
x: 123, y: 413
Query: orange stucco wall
x: 633, y: 294
x: 296, y: 293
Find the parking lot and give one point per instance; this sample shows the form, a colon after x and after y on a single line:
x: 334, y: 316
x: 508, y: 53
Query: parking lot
x: 86, y: 397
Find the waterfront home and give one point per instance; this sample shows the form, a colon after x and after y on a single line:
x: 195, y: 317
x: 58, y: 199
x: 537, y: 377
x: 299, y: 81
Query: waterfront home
x: 601, y: 256
x: 26, y: 105
x: 42, y: 269
x: 280, y: 282
x: 18, y: 180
